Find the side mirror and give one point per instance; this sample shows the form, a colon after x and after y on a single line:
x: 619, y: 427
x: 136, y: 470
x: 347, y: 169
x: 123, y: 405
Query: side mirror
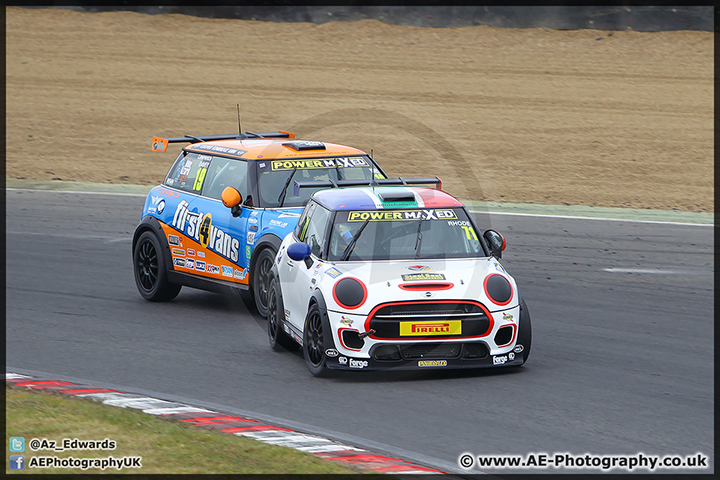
x: 495, y: 241
x: 298, y: 251
x: 232, y: 199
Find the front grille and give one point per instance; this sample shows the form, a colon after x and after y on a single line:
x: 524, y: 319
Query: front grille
x: 386, y: 352
x: 394, y: 352
x: 426, y: 286
x: 475, y: 350
x: 429, y: 308
x: 430, y: 350
x: 386, y: 320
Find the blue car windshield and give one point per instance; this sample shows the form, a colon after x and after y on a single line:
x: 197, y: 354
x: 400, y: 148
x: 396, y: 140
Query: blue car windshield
x: 398, y: 234
x: 273, y: 175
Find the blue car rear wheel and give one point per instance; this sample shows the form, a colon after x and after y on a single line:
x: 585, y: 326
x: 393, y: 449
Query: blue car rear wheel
x: 261, y: 280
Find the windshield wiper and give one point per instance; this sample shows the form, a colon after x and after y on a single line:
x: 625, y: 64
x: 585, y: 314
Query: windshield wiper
x: 281, y: 197
x: 337, y: 169
x: 351, y: 246
x: 418, y: 241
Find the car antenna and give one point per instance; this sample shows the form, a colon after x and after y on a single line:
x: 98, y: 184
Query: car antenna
x: 239, y: 129
x: 373, y: 181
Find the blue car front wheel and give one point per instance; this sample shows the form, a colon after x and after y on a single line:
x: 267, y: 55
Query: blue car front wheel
x: 150, y: 270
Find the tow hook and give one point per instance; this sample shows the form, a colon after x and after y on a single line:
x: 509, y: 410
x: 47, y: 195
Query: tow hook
x: 365, y: 334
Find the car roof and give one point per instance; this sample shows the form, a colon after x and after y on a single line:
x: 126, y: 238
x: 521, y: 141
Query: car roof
x: 384, y: 198
x: 264, y: 148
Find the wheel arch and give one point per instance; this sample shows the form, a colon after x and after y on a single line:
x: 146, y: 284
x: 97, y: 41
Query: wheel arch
x: 152, y: 224
x: 318, y: 299
x: 275, y: 275
x: 268, y: 240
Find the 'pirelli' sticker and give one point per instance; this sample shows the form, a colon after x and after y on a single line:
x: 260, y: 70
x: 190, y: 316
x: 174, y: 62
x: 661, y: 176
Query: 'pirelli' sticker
x: 422, y: 329
x: 414, y: 277
x: 343, y: 162
x: 391, y: 215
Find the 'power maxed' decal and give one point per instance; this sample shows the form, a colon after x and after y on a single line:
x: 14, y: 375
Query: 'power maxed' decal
x: 199, y: 227
x: 390, y: 215
x: 345, y: 162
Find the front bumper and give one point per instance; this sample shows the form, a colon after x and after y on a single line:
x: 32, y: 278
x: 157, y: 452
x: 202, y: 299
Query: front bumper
x: 468, y: 355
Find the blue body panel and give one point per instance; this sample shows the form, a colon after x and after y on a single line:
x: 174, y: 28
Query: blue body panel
x: 233, y: 239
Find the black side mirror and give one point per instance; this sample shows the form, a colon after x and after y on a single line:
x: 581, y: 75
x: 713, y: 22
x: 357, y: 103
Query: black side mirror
x: 495, y: 241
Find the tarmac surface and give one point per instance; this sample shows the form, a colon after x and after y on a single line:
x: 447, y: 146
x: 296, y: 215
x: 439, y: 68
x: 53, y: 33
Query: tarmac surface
x: 621, y: 363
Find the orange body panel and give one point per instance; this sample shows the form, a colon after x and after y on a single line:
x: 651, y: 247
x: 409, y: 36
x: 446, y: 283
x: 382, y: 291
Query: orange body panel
x: 274, y: 149
x: 215, y: 266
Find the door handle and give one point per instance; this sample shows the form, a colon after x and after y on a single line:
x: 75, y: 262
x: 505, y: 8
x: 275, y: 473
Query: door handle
x: 290, y: 264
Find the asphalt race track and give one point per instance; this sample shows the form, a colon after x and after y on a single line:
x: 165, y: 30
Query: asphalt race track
x: 621, y: 363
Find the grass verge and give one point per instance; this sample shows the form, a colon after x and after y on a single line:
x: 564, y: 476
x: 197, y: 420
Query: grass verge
x: 166, y: 446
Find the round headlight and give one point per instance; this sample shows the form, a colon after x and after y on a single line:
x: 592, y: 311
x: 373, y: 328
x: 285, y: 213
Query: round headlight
x: 350, y: 293
x: 498, y: 289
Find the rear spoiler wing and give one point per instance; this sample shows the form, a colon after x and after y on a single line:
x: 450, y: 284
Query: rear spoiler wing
x: 365, y: 183
x: 160, y: 144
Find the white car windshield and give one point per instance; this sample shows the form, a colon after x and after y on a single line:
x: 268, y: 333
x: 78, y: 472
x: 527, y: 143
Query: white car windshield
x: 397, y: 234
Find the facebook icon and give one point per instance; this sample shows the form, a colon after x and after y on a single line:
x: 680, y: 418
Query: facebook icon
x: 17, y: 462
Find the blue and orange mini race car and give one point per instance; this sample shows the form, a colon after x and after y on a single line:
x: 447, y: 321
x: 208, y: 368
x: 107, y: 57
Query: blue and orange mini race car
x: 218, y: 219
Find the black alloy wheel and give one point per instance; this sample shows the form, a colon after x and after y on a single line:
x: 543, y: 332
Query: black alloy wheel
x: 279, y: 340
x: 150, y: 271
x: 261, y: 280
x: 314, y: 342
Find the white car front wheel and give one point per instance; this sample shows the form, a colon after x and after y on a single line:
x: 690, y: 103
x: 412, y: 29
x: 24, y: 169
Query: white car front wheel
x: 279, y: 340
x: 313, y: 342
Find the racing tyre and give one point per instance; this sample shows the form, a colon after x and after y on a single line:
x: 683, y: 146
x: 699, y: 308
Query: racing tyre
x: 314, y: 343
x: 279, y: 340
x: 261, y: 279
x: 525, y: 333
x: 150, y: 270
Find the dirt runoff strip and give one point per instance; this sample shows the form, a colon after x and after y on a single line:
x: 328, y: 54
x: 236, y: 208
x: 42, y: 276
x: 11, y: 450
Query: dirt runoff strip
x: 231, y: 424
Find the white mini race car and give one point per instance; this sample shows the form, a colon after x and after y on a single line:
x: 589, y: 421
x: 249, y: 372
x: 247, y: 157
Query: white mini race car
x: 383, y: 277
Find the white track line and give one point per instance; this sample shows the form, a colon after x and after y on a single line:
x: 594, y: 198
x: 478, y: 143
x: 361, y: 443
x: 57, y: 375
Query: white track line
x: 572, y: 217
x: 77, y: 192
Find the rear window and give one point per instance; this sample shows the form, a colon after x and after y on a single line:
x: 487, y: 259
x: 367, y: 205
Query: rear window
x: 188, y: 173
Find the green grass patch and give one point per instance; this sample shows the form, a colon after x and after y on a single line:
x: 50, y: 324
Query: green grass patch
x: 166, y: 446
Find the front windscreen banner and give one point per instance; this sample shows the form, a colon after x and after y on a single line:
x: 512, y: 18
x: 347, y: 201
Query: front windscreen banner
x: 273, y: 175
x: 394, y: 234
